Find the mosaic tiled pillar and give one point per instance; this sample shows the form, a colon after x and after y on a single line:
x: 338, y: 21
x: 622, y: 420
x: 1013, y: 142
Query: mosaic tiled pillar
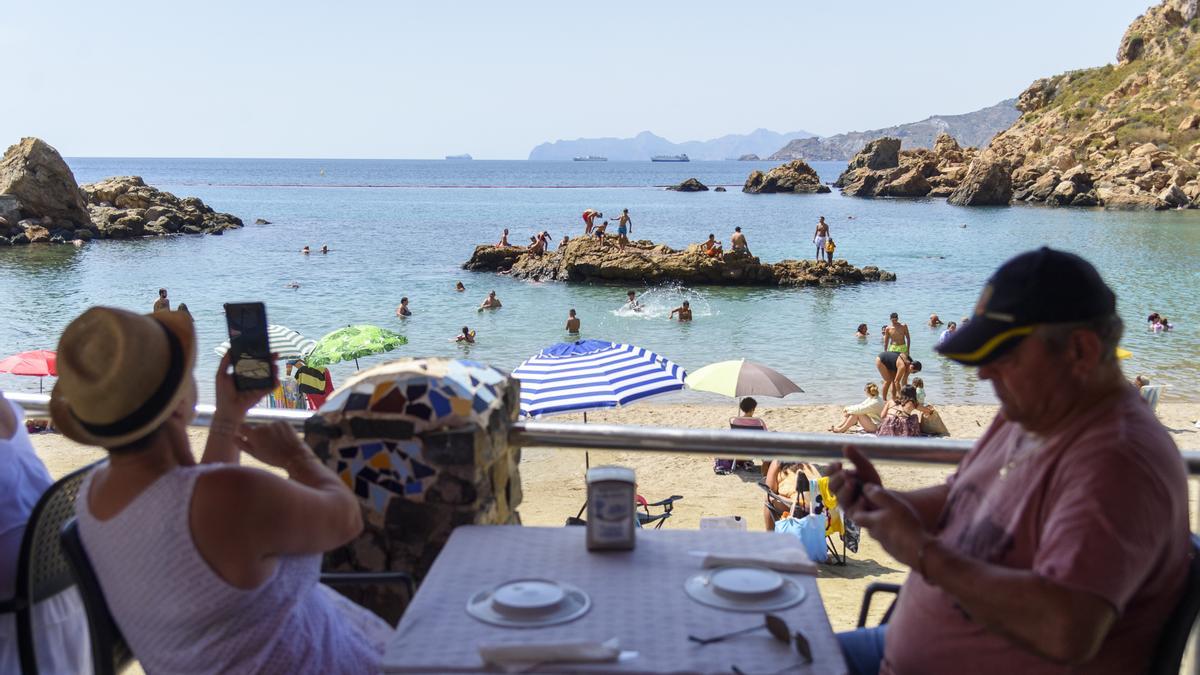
x: 423, y: 443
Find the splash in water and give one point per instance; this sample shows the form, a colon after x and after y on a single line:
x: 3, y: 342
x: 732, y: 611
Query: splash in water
x: 657, y: 302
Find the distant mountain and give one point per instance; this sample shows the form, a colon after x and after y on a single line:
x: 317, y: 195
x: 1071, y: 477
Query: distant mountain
x: 972, y: 129
x: 645, y: 145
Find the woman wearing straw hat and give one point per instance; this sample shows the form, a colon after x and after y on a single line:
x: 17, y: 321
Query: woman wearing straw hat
x: 208, y: 567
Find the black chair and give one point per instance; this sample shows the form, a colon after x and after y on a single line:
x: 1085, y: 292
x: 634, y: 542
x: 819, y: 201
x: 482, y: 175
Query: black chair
x: 1172, y: 643
x: 110, y: 653
x: 42, y: 568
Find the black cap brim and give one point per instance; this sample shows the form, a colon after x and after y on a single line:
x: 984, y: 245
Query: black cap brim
x: 982, y: 341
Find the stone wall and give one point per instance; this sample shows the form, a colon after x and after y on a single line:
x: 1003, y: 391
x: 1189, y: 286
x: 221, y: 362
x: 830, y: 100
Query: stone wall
x: 423, y: 443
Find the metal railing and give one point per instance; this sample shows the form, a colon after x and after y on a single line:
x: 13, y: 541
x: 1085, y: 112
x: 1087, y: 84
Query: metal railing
x: 709, y: 442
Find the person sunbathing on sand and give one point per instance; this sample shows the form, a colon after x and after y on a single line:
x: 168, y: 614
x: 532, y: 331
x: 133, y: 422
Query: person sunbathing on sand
x: 865, y: 414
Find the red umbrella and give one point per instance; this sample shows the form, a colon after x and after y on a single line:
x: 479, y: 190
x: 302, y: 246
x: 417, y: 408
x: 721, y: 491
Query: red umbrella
x: 37, y: 363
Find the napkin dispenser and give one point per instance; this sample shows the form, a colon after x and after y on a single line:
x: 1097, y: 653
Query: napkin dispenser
x: 610, y: 512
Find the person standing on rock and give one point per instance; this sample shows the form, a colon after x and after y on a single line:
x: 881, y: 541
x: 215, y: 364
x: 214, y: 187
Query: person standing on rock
x: 572, y: 322
x: 162, y: 304
x: 737, y: 241
x: 589, y: 218
x: 624, y: 227
x: 820, y: 236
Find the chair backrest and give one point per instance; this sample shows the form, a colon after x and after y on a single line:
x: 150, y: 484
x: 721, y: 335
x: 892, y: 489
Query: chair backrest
x: 1174, y: 638
x: 110, y: 652
x: 42, y: 568
x: 746, y: 423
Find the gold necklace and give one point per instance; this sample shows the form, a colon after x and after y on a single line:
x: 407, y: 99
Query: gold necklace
x: 1021, y: 453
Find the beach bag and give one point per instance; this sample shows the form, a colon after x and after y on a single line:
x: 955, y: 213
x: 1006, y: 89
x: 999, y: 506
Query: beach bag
x: 932, y: 425
x: 830, y: 246
x: 810, y: 530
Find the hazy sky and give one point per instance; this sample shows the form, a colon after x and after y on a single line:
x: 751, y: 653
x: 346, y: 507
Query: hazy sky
x: 411, y: 80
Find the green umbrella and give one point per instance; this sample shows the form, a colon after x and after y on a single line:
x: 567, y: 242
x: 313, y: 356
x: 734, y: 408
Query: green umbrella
x: 353, y: 342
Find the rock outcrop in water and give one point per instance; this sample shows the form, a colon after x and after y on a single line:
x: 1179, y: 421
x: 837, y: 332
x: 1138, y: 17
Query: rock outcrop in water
x: 689, y: 185
x: 795, y: 176
x: 882, y: 169
x: 41, y: 202
x: 585, y: 260
x: 1124, y: 136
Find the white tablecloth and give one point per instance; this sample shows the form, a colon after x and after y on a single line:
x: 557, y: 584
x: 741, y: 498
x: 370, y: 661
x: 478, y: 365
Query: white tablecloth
x: 637, y: 596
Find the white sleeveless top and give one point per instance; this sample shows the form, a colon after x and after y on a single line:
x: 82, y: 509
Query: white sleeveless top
x: 179, y: 617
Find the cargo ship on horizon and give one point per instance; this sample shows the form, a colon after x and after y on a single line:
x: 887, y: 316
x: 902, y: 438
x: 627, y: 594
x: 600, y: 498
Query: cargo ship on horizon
x: 670, y: 158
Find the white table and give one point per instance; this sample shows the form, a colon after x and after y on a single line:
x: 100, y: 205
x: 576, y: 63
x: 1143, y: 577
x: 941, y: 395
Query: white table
x: 637, y: 596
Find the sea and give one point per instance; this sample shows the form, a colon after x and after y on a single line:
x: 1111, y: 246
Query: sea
x: 405, y: 227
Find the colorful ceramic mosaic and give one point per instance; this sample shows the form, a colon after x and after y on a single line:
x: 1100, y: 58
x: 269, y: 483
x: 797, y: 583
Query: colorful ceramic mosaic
x: 427, y: 394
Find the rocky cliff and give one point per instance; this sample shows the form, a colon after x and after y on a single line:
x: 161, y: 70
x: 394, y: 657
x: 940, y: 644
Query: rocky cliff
x: 585, y: 260
x: 882, y: 169
x: 40, y: 202
x: 971, y: 129
x: 1119, y: 136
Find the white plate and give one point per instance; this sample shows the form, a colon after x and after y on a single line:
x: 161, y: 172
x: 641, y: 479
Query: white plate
x: 743, y: 589
x: 529, y: 603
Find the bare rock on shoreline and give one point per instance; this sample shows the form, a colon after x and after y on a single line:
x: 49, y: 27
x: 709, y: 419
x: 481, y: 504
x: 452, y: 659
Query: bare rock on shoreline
x: 689, y: 185
x: 795, y: 176
x: 882, y: 169
x: 40, y: 202
x: 585, y: 260
x: 988, y: 182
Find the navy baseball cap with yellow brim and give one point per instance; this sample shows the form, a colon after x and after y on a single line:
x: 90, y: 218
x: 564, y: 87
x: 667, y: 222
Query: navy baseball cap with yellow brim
x: 1035, y: 288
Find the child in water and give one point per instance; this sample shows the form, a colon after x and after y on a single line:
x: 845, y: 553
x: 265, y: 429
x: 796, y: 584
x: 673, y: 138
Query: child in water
x: 467, y: 336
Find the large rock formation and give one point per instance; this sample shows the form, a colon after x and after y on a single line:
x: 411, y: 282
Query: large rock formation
x: 882, y: 169
x: 1119, y: 136
x: 585, y: 260
x: 35, y: 175
x: 40, y: 202
x: 689, y: 185
x: 988, y: 182
x: 795, y: 176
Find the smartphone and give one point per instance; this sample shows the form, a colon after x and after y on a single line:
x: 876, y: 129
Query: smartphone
x: 251, y: 351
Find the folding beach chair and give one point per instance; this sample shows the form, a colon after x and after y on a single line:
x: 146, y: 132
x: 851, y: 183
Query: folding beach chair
x: 725, y: 466
x: 836, y: 522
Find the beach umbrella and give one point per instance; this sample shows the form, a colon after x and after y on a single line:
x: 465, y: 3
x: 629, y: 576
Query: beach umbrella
x: 37, y: 363
x: 593, y: 374
x: 742, y: 378
x: 284, y: 341
x: 353, y: 342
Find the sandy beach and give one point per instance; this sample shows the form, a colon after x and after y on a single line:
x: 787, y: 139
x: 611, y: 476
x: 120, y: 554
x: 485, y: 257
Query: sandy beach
x: 554, y: 487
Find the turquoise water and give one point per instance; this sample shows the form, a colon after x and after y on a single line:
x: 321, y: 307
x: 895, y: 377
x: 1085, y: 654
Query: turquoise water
x: 405, y: 227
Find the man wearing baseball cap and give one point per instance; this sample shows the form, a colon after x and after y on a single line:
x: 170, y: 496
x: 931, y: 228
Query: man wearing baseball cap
x: 1061, y: 543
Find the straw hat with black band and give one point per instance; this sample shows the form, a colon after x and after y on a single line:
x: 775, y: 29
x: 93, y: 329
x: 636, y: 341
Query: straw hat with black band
x: 121, y: 374
x: 1035, y: 288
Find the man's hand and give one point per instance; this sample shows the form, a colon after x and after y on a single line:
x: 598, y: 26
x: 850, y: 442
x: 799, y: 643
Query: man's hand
x: 848, y: 484
x: 893, y: 522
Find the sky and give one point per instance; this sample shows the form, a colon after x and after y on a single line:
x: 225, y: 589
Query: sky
x: 380, y: 79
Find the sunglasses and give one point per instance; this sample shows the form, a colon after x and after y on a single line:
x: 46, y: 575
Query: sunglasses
x: 778, y: 629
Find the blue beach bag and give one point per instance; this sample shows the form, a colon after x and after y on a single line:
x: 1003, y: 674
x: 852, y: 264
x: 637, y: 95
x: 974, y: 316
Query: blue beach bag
x: 810, y: 530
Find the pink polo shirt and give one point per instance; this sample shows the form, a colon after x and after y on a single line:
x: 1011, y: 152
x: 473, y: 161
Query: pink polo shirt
x: 1101, y: 507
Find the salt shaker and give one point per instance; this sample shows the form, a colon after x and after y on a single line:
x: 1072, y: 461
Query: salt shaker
x: 610, y: 510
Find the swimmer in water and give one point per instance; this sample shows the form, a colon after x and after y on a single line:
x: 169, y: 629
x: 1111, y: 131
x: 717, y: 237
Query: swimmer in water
x: 305, y: 250
x: 490, y: 302
x: 467, y: 336
x: 684, y: 310
x: 324, y: 248
x: 632, y: 302
x: 459, y: 287
x: 862, y: 331
x: 292, y: 284
x: 572, y: 322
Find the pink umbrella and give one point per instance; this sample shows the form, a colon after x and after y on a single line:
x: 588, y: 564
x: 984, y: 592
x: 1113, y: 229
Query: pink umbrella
x: 38, y: 363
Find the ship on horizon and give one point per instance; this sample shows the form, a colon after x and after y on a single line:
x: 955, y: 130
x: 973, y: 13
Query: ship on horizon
x: 591, y: 158
x: 670, y: 158
x: 463, y: 156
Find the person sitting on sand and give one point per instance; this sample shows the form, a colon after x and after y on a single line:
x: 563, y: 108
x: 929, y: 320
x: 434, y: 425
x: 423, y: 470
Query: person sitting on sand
x: 458, y: 286
x: 684, y: 310
x: 631, y: 302
x: 491, y: 302
x: 865, y: 414
x: 403, y: 310
x: 950, y: 328
x: 1140, y: 381
x: 895, y: 368
x: 712, y: 248
x: 589, y: 218
x: 572, y: 322
x: 900, y: 417
x: 862, y: 332
x: 467, y: 336
x: 737, y: 241
x: 934, y: 321
x: 503, y: 243
x: 237, y: 549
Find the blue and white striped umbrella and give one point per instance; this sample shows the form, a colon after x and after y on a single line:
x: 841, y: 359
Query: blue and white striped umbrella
x: 592, y: 374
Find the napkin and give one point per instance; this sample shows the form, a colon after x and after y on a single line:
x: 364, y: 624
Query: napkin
x: 792, y: 560
x: 518, y: 658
